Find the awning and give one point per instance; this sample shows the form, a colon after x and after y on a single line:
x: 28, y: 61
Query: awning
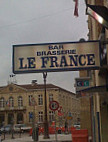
x: 99, y: 13
x: 93, y: 89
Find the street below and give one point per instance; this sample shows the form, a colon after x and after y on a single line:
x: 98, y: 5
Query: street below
x: 26, y: 138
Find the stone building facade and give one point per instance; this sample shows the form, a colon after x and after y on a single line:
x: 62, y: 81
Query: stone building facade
x: 96, y: 105
x: 18, y: 103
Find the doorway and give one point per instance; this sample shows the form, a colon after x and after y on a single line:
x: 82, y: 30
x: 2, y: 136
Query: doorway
x: 19, y: 118
x: 10, y: 118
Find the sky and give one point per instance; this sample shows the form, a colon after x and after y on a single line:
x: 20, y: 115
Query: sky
x: 39, y: 21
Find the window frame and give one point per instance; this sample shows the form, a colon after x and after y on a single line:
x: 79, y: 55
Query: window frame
x: 20, y: 101
x: 40, y: 116
x: 2, y: 102
x: 51, y: 97
x: 51, y: 116
x: 11, y: 101
x: 30, y: 99
x: 40, y: 99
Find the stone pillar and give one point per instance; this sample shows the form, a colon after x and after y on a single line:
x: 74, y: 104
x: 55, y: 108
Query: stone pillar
x: 25, y: 118
x: 15, y: 118
x: 6, y: 118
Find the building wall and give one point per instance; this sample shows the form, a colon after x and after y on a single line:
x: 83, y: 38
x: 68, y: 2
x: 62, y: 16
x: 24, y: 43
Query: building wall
x: 86, y: 114
x: 104, y: 116
x: 94, y: 33
x: 67, y: 100
x: 70, y: 104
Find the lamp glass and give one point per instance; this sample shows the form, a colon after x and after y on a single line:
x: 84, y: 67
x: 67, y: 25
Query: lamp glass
x: 95, y: 15
x: 98, y: 18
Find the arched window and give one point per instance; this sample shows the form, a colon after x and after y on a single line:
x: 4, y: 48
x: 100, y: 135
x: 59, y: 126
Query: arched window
x: 30, y: 99
x: 20, y: 101
x: 2, y: 102
x: 11, y: 102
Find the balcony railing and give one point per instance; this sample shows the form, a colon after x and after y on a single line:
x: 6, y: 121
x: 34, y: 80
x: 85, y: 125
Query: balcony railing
x: 15, y: 108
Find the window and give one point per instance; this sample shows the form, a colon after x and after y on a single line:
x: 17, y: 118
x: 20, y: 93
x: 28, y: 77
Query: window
x: 51, y: 116
x: 30, y: 116
x: 40, y: 99
x: 2, y: 102
x: 30, y: 99
x: 2, y: 119
x: 89, y: 73
x: 19, y: 118
x: 11, y: 102
x: 40, y: 116
x: 20, y: 101
x: 50, y: 97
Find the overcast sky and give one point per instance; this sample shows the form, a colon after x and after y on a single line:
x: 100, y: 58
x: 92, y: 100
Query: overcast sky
x: 39, y: 21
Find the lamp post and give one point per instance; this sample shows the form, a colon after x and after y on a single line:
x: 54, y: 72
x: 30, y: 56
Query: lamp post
x: 4, y: 129
x: 12, y: 128
x: 33, y: 103
x: 20, y: 122
x: 46, y: 131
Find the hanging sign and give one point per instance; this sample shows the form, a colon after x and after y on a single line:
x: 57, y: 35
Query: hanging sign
x: 68, y: 56
x: 82, y: 83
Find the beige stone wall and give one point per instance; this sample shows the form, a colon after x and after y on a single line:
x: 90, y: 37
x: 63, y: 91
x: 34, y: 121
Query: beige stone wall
x: 94, y: 32
x: 104, y: 116
x: 85, y: 114
x: 71, y: 104
x: 66, y: 99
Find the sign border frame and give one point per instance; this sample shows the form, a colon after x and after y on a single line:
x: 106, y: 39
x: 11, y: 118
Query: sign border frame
x: 56, y: 70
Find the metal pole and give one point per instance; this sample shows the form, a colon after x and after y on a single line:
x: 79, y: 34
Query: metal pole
x: 12, y: 128
x: 98, y: 116
x: 86, y: 2
x: 20, y: 132
x: 33, y: 121
x: 4, y: 129
x: 46, y: 129
x: 55, y: 128
x: 33, y: 116
x: 93, y: 130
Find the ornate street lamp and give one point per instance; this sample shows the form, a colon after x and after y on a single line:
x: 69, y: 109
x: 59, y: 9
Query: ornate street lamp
x: 99, y: 13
